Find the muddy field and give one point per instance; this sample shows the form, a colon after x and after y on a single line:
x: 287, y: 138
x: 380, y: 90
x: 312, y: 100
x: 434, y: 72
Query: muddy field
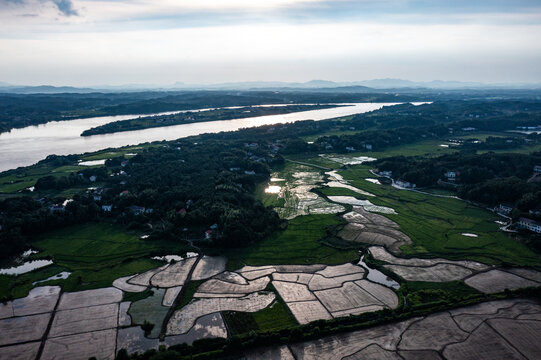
x: 479, y: 276
x: 298, y: 196
x: 369, y: 228
x: 508, y: 329
x: 79, y: 325
x: 98, y: 322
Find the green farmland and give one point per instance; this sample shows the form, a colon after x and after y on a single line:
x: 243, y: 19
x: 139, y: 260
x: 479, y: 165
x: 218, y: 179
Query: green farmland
x: 435, y: 224
x: 95, y: 254
x: 298, y: 244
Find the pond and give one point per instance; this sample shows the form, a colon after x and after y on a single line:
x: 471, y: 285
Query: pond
x: 25, y: 267
x: 60, y: 276
x: 170, y: 258
x: 20, y: 265
x: 377, y: 276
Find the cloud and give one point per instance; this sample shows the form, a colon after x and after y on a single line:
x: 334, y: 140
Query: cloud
x: 65, y: 7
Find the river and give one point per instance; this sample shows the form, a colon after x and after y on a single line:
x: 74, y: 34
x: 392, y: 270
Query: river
x: 26, y: 146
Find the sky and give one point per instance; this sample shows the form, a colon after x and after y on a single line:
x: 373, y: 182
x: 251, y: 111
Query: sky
x: 161, y: 42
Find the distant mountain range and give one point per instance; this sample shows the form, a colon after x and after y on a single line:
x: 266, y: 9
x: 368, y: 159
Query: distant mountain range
x: 313, y: 85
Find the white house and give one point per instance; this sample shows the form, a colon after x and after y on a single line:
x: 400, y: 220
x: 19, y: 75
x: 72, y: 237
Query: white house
x: 504, y: 209
x: 405, y: 184
x: 56, y: 208
x: 137, y: 210
x: 450, y: 175
x: 529, y: 224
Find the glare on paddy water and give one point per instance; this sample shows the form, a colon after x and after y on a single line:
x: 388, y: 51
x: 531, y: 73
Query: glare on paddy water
x: 273, y: 189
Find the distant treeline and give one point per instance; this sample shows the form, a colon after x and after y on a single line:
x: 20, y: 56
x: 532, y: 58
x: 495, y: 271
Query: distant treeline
x: 17, y: 110
x: 486, y: 178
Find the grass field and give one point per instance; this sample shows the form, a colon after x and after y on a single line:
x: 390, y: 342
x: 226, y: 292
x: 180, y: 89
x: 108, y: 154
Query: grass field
x: 268, y: 199
x: 273, y: 318
x: 331, y: 132
x: 92, y: 246
x: 19, y: 286
x: 95, y: 254
x: 420, y: 148
x: 485, y: 134
x: 426, y: 147
x: 111, y: 153
x: 188, y: 292
x: 422, y: 293
x: 298, y: 244
x: 27, y: 177
x: 23, y: 178
x: 435, y: 224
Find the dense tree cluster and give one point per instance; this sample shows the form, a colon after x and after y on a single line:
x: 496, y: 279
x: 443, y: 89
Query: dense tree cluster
x: 165, y: 189
x: 488, y: 178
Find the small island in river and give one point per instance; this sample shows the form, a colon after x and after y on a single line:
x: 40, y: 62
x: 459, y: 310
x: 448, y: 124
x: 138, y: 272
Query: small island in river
x: 199, y: 116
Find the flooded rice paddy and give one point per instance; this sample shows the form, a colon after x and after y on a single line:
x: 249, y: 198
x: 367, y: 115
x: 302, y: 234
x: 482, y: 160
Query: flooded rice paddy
x: 151, y: 310
x: 298, y: 196
x: 377, y: 276
x: 366, y: 204
x: 25, y: 267
x: 273, y: 189
x: 337, y: 181
x: 348, y: 160
x: 92, y: 162
x: 98, y: 323
x: 21, y: 265
x: 373, y: 181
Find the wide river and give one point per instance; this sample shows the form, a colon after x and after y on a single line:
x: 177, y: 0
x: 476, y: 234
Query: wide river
x: 26, y: 146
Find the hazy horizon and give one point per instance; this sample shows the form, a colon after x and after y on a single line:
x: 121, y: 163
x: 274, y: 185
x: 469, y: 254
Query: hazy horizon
x: 93, y: 42
x: 269, y: 84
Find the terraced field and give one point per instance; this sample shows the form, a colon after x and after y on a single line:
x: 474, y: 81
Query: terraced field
x: 293, y: 277
x: 436, y: 224
x: 507, y: 329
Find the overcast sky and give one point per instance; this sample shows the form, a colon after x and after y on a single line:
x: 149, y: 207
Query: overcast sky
x: 94, y: 42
